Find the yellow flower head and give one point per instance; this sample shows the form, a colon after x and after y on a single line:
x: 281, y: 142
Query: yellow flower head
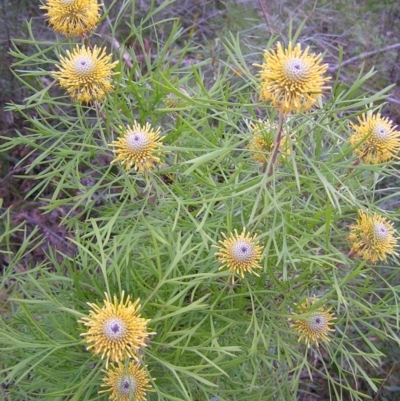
x: 126, y: 383
x: 263, y: 141
x: 85, y: 73
x: 315, y: 327
x: 72, y: 17
x: 173, y: 101
x: 372, y: 237
x: 137, y: 146
x: 292, y: 80
x: 116, y: 330
x: 239, y: 253
x: 375, y: 138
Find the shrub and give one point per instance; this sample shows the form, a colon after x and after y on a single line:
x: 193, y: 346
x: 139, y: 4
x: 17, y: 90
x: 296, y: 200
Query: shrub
x: 253, y: 273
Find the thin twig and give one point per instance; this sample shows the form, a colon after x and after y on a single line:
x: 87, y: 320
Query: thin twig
x: 383, y: 382
x: 46, y: 231
x: 389, y: 99
x: 264, y: 10
x: 100, y: 111
x: 363, y: 55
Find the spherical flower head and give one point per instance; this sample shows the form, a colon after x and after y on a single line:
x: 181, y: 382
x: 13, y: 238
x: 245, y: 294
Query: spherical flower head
x: 85, y: 73
x: 137, y: 147
x: 372, y: 237
x: 172, y: 101
x: 116, y: 331
x: 72, y: 17
x: 126, y: 382
x: 263, y: 141
x: 239, y: 253
x: 374, y: 138
x: 292, y: 79
x: 314, y: 327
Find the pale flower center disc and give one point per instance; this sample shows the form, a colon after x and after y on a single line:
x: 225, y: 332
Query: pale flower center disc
x: 317, y: 323
x: 295, y: 69
x: 380, y: 133
x: 67, y: 2
x: 83, y: 66
x: 114, y: 329
x: 380, y: 232
x: 242, y: 251
x: 137, y: 141
x: 126, y: 385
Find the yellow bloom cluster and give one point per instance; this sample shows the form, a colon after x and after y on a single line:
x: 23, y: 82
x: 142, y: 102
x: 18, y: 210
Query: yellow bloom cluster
x: 86, y: 73
x: 372, y: 237
x: 263, y: 141
x: 126, y: 382
x: 314, y: 326
x: 72, y: 17
x: 137, y: 147
x: 374, y: 138
x: 117, y: 332
x: 240, y: 253
x: 291, y: 79
x: 173, y: 101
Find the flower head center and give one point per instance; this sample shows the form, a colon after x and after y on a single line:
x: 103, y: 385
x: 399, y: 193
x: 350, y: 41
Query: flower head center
x: 114, y: 329
x: 380, y: 133
x: 295, y: 70
x: 83, y: 65
x: 126, y: 385
x: 67, y: 2
x: 317, y: 323
x: 242, y: 251
x: 380, y: 232
x: 137, y: 141
x: 261, y: 144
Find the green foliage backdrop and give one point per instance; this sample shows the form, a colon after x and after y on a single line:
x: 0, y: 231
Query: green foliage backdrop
x: 155, y: 235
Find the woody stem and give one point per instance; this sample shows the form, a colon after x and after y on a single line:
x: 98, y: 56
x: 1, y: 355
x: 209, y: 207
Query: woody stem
x: 277, y: 144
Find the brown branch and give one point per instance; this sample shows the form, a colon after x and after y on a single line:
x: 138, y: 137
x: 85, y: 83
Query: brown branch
x: 265, y: 12
x: 278, y: 140
x: 383, y: 382
x: 364, y: 55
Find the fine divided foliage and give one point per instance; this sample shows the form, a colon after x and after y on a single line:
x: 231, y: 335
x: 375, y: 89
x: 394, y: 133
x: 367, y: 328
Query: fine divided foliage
x: 230, y: 226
